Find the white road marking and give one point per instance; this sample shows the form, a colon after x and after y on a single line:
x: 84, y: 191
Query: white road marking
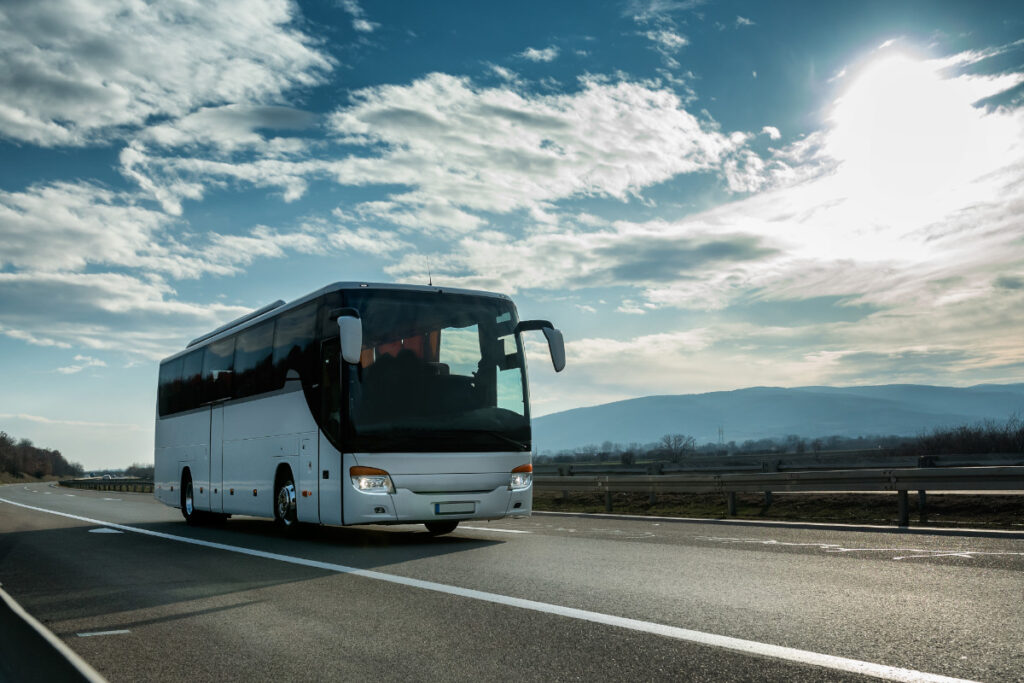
x: 487, y: 528
x: 105, y: 530
x: 835, y: 548
x: 752, y: 647
x: 773, y: 522
x: 111, y: 499
x: 118, y: 632
x: 70, y: 495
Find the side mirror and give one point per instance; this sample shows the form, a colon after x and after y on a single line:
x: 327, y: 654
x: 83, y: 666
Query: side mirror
x: 350, y: 333
x: 556, y: 345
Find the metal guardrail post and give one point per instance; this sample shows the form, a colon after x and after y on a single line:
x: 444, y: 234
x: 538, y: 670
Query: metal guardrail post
x: 922, y: 506
x: 730, y: 503
x: 904, y: 508
x: 607, y: 500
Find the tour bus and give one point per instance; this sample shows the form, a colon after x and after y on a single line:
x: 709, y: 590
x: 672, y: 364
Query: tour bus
x: 355, y: 404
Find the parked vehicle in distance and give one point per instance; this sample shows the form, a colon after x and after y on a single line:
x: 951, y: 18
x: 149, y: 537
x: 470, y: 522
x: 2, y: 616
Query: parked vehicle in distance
x: 355, y: 404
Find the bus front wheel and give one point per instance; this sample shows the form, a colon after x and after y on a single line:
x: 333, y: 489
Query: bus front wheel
x: 438, y: 528
x: 284, y: 503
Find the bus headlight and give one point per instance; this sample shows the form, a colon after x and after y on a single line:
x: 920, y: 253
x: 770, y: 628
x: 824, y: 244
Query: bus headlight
x: 371, y: 480
x: 522, y: 478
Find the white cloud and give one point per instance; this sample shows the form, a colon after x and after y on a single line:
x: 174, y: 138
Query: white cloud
x: 74, y: 423
x: 359, y: 21
x: 503, y: 73
x: 548, y: 54
x: 499, y: 150
x: 667, y: 39
x: 65, y: 226
x: 772, y: 132
x: 627, y: 254
x: 743, y: 21
x: 82, y: 362
x: 233, y: 127
x: 103, y: 312
x: 74, y: 73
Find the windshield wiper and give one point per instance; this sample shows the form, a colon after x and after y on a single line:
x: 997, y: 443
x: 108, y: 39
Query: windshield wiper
x: 498, y: 435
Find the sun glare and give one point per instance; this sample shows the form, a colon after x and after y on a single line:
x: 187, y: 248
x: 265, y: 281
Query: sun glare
x: 904, y: 135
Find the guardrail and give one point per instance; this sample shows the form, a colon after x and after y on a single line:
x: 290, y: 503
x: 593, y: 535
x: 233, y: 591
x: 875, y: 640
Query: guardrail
x: 901, y: 480
x: 124, y: 485
x: 787, y: 462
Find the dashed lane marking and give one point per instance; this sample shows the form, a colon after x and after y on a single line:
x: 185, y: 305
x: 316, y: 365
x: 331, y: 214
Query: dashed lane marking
x: 118, y: 632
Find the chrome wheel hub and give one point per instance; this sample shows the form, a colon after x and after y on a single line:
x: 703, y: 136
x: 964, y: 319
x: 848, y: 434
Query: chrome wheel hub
x: 286, y: 503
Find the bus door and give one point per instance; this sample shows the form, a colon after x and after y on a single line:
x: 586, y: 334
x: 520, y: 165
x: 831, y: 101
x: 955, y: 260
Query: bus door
x: 216, y: 483
x: 331, y: 476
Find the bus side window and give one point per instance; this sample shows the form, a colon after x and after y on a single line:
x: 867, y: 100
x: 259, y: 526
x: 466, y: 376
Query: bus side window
x: 169, y: 387
x: 293, y: 342
x: 253, y: 361
x: 192, y: 381
x: 217, y: 368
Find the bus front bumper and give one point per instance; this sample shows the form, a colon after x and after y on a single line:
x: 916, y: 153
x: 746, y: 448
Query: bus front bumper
x: 409, y: 507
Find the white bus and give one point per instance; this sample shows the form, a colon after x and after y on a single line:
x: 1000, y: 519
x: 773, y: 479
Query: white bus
x: 356, y: 404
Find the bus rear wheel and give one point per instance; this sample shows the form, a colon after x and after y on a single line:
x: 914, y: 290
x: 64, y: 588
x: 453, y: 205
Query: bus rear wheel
x: 438, y: 528
x: 193, y: 517
x: 284, y: 503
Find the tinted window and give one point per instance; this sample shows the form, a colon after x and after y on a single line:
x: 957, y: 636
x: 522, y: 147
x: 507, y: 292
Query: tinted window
x: 169, y: 387
x: 253, y: 361
x: 293, y: 342
x: 192, y: 380
x: 217, y: 369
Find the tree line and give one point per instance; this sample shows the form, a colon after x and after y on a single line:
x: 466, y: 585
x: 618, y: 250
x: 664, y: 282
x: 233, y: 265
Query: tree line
x: 985, y: 437
x: 21, y: 456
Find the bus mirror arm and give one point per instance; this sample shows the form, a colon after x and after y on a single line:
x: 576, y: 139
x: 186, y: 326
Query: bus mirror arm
x: 350, y: 334
x: 556, y: 345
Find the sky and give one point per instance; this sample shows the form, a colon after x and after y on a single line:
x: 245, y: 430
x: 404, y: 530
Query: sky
x: 703, y: 196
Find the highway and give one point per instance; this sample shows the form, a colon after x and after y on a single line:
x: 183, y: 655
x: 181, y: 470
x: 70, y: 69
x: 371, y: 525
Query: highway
x: 139, y: 595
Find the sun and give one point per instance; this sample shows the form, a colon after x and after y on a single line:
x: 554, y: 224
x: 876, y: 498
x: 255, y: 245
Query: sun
x: 902, y: 132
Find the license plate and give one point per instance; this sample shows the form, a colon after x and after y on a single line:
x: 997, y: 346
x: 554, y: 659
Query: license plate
x: 454, y: 508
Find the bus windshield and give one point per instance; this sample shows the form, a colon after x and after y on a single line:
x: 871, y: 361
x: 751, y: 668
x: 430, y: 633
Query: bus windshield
x: 438, y: 372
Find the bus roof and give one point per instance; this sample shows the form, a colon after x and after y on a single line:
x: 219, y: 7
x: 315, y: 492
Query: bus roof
x: 259, y: 315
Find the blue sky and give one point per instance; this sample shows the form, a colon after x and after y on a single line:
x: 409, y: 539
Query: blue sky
x: 704, y: 195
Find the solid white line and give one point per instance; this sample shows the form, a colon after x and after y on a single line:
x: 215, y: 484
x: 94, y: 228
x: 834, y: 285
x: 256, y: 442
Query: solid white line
x: 103, y: 633
x: 753, y: 647
x: 88, y: 673
x: 487, y: 528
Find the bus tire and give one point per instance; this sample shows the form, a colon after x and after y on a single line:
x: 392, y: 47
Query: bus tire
x: 284, y: 502
x: 193, y: 517
x: 438, y: 528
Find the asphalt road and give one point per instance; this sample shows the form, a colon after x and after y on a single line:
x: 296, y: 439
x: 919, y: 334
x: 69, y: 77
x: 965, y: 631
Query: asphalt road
x: 141, y: 596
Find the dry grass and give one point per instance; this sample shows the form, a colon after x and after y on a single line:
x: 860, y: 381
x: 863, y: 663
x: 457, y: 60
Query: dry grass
x: 8, y: 478
x: 974, y: 511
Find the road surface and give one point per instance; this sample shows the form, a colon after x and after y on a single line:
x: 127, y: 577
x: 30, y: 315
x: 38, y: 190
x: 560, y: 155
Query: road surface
x: 141, y: 596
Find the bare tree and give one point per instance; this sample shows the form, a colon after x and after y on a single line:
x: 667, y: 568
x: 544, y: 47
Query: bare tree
x: 677, y: 445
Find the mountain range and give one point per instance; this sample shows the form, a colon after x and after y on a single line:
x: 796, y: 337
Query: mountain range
x: 773, y: 412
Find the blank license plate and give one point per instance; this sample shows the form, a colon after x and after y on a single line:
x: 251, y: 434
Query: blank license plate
x: 454, y: 508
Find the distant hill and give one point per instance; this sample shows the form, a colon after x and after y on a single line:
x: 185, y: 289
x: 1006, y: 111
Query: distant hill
x: 771, y: 412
